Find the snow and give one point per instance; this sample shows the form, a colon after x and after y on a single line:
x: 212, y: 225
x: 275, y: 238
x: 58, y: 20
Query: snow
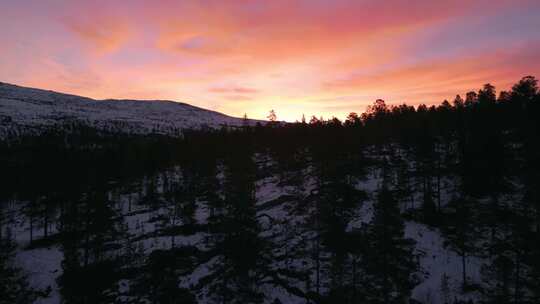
x: 28, y: 110
x: 43, y: 266
x: 267, y: 190
x: 281, y: 294
x: 199, y: 273
x: 437, y: 261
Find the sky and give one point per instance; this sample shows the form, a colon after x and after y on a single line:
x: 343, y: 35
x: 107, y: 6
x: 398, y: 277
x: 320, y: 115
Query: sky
x: 311, y: 57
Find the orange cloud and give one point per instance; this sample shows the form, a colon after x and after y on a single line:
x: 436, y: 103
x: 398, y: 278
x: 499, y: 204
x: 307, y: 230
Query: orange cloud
x: 238, y: 97
x: 239, y: 90
x: 105, y: 34
x: 430, y: 77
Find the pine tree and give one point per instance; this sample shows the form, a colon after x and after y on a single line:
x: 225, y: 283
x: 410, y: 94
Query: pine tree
x: 91, y: 228
x: 445, y: 289
x: 462, y: 232
x: 272, y: 117
x: 240, y: 250
x: 390, y: 260
x: 158, y: 279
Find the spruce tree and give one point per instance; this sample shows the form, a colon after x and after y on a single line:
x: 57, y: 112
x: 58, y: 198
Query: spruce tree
x: 390, y: 261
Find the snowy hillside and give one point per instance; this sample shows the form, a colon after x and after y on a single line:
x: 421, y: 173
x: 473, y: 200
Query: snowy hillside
x: 28, y: 110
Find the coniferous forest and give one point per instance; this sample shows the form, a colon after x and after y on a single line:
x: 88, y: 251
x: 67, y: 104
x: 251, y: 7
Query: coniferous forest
x: 398, y: 204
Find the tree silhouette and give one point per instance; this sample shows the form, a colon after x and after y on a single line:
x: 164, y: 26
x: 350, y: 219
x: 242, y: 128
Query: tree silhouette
x: 272, y: 116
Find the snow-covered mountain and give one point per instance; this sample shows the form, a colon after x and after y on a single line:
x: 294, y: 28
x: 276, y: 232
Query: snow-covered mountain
x: 27, y: 110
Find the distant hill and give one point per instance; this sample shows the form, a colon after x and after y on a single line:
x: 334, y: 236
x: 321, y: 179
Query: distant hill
x: 29, y: 111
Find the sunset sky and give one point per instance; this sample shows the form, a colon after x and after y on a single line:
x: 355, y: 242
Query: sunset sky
x: 313, y: 57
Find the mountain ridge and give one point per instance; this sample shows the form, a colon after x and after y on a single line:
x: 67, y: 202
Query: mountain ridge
x: 25, y: 110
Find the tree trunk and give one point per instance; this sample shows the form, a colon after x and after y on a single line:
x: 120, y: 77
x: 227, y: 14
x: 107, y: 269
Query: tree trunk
x: 31, y: 227
x: 517, y: 282
x: 424, y: 185
x: 86, y: 249
x: 317, y: 266
x: 353, y: 278
x: 439, y: 185
x: 385, y: 267
x: 506, y: 284
x: 464, y: 269
x: 1, y: 222
x: 62, y: 216
x: 308, y: 288
x: 317, y: 244
x: 46, y: 223
x: 87, y: 239
x: 173, y: 239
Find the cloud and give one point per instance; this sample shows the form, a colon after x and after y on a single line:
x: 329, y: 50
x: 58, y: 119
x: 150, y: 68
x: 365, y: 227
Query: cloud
x: 105, y: 34
x: 433, y: 80
x: 233, y: 89
x: 238, y: 98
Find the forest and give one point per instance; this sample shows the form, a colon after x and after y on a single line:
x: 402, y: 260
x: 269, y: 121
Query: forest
x: 398, y: 204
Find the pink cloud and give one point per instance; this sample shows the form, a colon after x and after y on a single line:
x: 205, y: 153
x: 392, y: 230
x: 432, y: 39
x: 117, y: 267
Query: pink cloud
x: 238, y: 98
x: 233, y: 89
x: 434, y: 80
x: 104, y: 34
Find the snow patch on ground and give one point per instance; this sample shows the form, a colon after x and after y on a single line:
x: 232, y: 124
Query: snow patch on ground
x: 42, y: 266
x: 437, y: 261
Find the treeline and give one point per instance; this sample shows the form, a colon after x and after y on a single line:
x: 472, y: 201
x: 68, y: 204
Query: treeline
x: 74, y: 157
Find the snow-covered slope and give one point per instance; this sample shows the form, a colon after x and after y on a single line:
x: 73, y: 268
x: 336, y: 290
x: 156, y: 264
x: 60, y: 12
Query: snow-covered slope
x: 28, y: 110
